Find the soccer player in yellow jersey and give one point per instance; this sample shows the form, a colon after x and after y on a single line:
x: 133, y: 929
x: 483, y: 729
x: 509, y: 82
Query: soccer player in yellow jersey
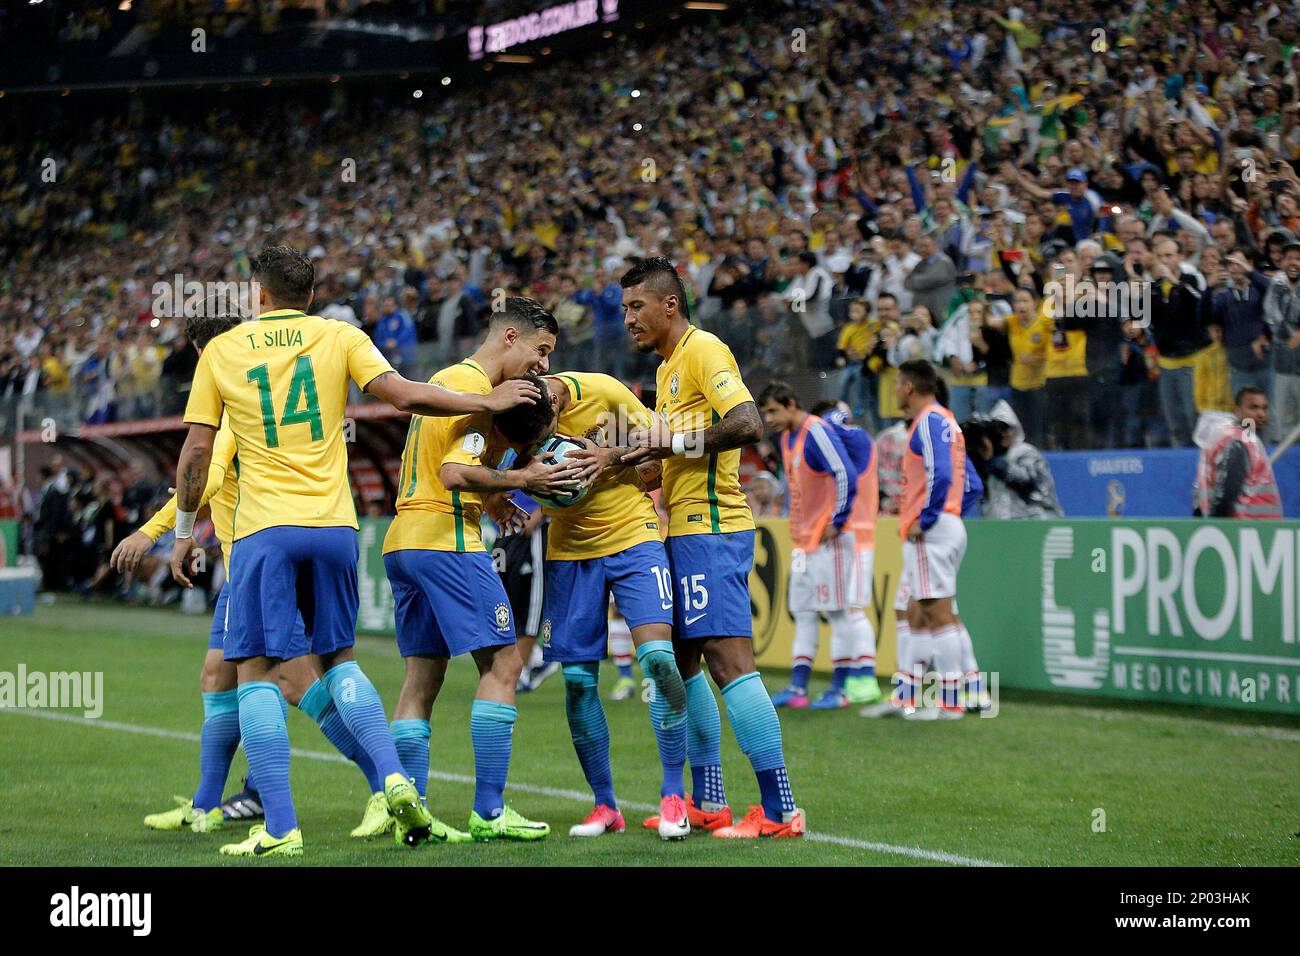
x: 706, y: 415
x: 282, y: 382
x: 301, y: 687
x: 447, y: 597
x: 607, y: 541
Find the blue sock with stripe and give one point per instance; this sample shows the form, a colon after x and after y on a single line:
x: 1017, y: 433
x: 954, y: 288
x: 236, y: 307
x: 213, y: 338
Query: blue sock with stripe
x: 624, y: 670
x: 799, y: 675
x: 284, y: 712
x: 589, y: 729
x: 667, y: 712
x: 266, y: 744
x: 218, y: 741
x: 362, y: 711
x: 839, y: 674
x: 411, y: 737
x: 704, y: 744
x: 758, y: 731
x: 319, y: 706
x: 491, y: 727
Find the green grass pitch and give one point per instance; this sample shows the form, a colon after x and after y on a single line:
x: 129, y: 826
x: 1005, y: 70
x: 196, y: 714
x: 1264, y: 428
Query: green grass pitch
x: 1177, y: 786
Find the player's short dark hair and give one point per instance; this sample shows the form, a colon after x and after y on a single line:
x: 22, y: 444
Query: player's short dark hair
x: 525, y: 314
x: 779, y: 392
x: 821, y: 408
x: 1248, y: 390
x: 216, y: 317
x: 287, y: 273
x: 529, y: 422
x: 659, y: 274
x: 922, y: 375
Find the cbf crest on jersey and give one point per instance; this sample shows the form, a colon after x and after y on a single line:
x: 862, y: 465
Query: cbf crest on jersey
x: 673, y: 385
x: 546, y: 632
x: 503, y: 617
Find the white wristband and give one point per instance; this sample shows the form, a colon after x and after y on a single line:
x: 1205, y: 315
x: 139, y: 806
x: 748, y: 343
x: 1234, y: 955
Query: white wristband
x: 185, y: 523
x: 679, y: 443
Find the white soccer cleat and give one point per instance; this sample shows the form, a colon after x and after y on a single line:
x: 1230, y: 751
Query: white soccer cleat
x: 600, y: 821
x: 674, y: 821
x: 920, y: 713
x: 886, y: 708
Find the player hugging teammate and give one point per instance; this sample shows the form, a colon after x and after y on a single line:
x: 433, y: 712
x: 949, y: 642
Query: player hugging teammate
x: 277, y: 387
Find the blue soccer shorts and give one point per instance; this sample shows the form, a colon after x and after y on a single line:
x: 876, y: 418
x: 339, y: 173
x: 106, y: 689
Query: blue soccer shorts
x: 448, y: 602
x: 293, y: 591
x: 711, y: 573
x: 575, y: 621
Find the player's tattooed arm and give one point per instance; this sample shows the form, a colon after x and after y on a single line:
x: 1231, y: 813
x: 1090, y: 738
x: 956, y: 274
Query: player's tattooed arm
x: 191, y: 479
x: 534, y: 476
x: 743, y: 425
x: 425, y: 398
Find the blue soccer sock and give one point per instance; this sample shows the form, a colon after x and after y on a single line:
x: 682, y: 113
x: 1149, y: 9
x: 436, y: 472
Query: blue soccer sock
x: 589, y: 729
x: 218, y: 741
x: 624, y: 670
x: 284, y: 712
x: 317, y: 704
x: 411, y: 737
x: 362, y: 711
x: 491, y: 727
x: 667, y: 712
x: 266, y: 744
x: 704, y: 744
x: 839, y: 674
x: 758, y: 731
x: 799, y: 675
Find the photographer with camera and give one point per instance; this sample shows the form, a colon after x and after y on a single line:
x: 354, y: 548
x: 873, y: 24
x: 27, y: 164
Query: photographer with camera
x: 1016, y: 477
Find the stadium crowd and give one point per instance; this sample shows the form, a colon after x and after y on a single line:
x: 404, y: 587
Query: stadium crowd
x: 1084, y: 208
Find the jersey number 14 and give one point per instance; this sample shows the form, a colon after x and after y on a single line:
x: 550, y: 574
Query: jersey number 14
x: 301, y: 407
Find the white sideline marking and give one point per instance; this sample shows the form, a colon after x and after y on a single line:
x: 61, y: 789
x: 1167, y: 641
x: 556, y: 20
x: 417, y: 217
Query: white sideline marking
x: 916, y: 853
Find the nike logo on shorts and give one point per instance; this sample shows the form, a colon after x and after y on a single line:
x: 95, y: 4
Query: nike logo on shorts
x: 692, y: 620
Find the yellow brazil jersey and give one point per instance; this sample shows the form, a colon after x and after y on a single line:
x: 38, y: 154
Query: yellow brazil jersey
x: 283, y: 383
x: 1029, y: 342
x: 219, y: 494
x: 697, y: 385
x: 616, y: 513
x: 429, y: 517
x: 855, y: 337
x: 1071, y: 361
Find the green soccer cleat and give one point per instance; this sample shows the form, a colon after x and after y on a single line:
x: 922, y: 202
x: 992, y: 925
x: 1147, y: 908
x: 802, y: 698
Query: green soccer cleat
x: 185, y: 817
x: 262, y: 844
x: 624, y: 688
x: 509, y: 825
x: 209, y: 822
x: 406, y: 808
x: 862, y: 690
x: 437, y: 832
x: 376, y: 821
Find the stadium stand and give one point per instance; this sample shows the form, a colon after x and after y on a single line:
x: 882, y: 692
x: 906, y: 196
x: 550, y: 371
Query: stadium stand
x: 883, y: 182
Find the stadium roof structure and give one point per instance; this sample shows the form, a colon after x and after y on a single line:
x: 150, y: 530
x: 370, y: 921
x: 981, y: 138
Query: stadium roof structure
x: 380, y: 39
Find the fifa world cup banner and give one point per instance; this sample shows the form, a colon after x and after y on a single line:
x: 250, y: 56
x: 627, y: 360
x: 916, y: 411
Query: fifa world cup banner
x: 1191, y: 612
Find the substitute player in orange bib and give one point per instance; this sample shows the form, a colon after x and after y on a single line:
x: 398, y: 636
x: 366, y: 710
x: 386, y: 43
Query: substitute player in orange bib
x: 934, y: 537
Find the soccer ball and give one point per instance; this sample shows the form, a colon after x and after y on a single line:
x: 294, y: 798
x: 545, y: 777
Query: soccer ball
x: 557, y: 448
